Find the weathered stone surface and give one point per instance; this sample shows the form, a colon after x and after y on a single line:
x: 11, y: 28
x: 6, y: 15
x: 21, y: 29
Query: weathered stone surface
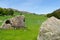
x: 50, y: 30
x: 7, y: 26
x: 16, y: 22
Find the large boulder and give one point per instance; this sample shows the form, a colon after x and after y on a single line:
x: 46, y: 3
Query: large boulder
x: 50, y: 29
x: 15, y: 22
x: 18, y: 22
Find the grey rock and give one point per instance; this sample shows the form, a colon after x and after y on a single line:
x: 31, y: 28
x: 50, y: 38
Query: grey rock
x: 15, y: 22
x: 7, y: 26
x: 50, y: 30
x: 18, y: 22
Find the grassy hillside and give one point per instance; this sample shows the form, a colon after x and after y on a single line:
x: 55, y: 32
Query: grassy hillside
x: 33, y: 23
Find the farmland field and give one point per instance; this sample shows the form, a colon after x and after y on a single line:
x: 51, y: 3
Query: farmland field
x: 33, y: 23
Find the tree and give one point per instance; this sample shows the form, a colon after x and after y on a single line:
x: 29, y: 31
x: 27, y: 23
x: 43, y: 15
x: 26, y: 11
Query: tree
x: 5, y: 11
x: 11, y: 11
x: 1, y: 11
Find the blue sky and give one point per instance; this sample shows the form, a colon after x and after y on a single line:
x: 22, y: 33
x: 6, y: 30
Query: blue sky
x: 34, y: 6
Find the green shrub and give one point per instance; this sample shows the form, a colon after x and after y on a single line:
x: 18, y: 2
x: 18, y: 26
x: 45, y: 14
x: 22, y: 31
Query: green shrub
x: 10, y: 11
x: 1, y: 10
x: 5, y: 11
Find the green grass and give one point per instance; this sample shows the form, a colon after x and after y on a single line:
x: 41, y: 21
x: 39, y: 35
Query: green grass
x: 32, y: 23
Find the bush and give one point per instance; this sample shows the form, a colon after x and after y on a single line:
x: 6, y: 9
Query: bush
x: 1, y: 10
x: 4, y: 11
x: 10, y: 11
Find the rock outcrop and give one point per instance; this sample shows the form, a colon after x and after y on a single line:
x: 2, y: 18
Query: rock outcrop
x: 50, y: 29
x: 16, y: 22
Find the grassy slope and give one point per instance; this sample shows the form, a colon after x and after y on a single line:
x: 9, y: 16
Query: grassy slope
x: 33, y: 23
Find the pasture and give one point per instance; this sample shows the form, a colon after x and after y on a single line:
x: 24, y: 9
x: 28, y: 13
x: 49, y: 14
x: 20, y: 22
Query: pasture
x: 32, y: 22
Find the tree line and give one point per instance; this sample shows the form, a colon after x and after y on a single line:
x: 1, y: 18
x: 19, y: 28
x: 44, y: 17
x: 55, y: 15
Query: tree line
x: 55, y: 13
x: 6, y: 11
